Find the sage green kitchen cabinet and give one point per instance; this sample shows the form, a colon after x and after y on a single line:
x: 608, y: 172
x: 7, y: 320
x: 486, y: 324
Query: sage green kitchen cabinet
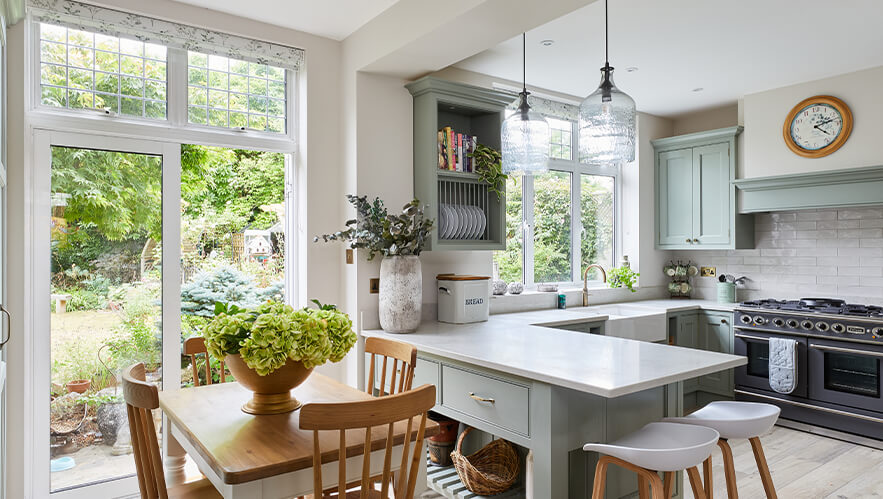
x: 716, y: 335
x: 705, y: 330
x: 473, y: 111
x: 695, y: 195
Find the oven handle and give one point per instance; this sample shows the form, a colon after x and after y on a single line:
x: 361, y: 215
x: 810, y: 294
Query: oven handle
x: 810, y: 406
x: 750, y: 337
x: 846, y: 350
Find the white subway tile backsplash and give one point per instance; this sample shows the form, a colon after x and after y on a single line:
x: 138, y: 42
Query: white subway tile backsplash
x: 829, y: 252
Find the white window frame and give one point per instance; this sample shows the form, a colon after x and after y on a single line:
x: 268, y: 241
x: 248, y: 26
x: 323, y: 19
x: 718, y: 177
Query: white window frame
x: 50, y: 126
x: 576, y: 170
x: 175, y: 126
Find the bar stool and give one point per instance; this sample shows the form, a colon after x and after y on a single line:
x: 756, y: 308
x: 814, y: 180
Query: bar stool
x: 666, y: 447
x: 736, y: 420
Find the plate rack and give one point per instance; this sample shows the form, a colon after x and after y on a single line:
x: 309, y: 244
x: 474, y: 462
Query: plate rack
x: 456, y: 194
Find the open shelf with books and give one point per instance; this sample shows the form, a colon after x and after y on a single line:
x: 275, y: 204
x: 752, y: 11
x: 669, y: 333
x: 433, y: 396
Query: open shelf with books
x: 449, y: 118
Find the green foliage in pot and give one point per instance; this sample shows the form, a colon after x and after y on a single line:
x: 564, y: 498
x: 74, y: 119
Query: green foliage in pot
x: 376, y: 231
x: 623, y: 277
x: 489, y: 167
x: 270, y: 334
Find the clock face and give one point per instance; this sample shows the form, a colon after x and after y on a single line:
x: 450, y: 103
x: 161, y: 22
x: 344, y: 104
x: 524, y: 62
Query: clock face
x: 816, y: 126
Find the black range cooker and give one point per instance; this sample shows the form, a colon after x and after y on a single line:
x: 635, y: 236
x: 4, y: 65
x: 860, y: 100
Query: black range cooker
x: 839, y: 360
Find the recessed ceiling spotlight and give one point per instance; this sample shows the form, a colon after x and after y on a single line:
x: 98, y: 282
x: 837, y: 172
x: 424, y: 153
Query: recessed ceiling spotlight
x: 547, y: 43
x: 698, y: 89
x: 631, y: 69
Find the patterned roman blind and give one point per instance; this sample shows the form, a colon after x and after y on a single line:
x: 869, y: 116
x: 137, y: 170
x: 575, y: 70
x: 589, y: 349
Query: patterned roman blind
x: 548, y: 107
x: 111, y: 22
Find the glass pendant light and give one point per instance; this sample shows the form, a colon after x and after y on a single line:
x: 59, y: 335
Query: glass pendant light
x: 525, y: 134
x: 607, y: 119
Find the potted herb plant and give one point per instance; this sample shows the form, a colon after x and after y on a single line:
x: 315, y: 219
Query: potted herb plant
x: 400, y: 239
x: 273, y: 348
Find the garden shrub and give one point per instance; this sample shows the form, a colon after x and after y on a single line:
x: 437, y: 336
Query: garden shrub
x: 225, y: 285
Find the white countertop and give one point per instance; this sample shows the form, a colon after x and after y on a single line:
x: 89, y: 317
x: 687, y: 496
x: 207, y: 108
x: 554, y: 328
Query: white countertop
x: 601, y: 365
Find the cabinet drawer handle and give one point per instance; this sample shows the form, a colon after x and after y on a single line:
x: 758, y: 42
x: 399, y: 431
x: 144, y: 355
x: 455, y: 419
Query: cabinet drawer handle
x: 481, y: 399
x: 688, y: 240
x: 695, y: 240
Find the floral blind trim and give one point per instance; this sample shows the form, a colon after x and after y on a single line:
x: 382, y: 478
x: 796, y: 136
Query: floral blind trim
x: 548, y: 107
x: 121, y: 24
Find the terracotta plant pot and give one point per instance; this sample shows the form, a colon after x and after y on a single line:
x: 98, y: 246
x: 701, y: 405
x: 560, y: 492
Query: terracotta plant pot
x: 78, y: 385
x: 272, y: 393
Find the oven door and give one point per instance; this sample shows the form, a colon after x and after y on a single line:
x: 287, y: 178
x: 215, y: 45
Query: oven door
x: 846, y: 373
x: 755, y: 346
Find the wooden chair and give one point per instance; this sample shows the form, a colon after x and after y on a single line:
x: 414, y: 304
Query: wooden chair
x: 383, y: 411
x: 196, y: 346
x: 404, y: 360
x: 141, y: 399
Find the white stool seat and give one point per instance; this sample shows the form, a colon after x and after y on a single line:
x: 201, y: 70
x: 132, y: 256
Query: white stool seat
x: 662, y: 446
x: 734, y: 419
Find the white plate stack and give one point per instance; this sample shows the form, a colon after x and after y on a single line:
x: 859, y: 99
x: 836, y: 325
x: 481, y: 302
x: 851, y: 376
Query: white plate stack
x: 461, y: 222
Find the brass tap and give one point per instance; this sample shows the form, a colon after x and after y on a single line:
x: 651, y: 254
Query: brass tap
x: 586, y: 281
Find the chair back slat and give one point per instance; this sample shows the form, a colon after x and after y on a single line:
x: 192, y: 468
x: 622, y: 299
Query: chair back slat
x: 404, y: 360
x: 194, y: 347
x: 141, y: 399
x: 366, y: 414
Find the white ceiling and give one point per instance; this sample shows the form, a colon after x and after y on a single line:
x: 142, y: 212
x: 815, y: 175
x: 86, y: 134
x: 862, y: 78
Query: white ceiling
x: 729, y: 48
x: 335, y: 19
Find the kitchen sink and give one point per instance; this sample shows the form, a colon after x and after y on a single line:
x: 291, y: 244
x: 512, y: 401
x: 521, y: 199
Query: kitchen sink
x: 623, y: 321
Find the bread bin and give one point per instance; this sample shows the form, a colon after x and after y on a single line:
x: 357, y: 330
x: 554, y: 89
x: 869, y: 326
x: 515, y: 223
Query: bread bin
x: 463, y: 298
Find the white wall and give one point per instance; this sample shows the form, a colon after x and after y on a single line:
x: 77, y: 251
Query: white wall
x: 765, y: 152
x: 708, y: 119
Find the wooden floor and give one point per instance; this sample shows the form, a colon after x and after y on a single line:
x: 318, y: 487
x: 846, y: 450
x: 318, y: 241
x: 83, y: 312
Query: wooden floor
x: 803, y: 466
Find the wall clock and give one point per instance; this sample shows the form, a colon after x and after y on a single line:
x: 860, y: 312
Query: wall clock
x: 817, y: 126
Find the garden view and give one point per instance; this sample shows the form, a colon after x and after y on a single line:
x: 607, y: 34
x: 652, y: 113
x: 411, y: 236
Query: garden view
x: 552, y: 237
x: 106, y: 280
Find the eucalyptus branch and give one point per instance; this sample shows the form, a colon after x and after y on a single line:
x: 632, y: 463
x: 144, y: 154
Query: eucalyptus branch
x: 376, y: 231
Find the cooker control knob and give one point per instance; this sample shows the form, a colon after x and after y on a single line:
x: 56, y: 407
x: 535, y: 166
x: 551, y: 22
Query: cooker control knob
x: 877, y: 331
x: 778, y: 322
x: 822, y: 326
x: 808, y: 325
x: 792, y: 323
x: 760, y: 321
x: 837, y: 327
x: 746, y: 319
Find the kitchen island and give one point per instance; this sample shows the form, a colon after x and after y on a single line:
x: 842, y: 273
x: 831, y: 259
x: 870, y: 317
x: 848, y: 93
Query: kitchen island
x: 550, y: 390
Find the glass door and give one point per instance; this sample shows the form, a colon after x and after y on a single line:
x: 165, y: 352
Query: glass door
x: 107, y: 294
x: 846, y: 373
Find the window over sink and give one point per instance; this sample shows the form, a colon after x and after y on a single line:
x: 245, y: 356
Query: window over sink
x: 561, y: 220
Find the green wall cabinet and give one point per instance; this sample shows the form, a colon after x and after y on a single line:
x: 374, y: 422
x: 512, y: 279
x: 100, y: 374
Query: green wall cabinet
x: 695, y: 196
x: 473, y: 111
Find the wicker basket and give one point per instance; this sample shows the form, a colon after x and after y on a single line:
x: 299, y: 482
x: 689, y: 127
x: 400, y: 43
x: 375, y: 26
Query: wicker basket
x: 491, y: 470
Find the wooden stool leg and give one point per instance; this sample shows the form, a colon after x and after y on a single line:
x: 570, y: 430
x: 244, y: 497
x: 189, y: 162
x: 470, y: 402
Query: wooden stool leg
x: 642, y: 487
x: 656, y: 486
x: 763, y: 468
x: 729, y: 469
x: 708, y: 476
x: 696, y: 483
x: 598, y: 488
x: 669, y: 483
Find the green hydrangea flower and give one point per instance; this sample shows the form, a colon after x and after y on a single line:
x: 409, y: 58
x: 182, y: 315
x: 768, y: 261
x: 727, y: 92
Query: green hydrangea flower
x: 270, y: 334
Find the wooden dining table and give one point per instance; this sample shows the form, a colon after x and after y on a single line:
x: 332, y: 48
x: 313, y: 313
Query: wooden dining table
x: 267, y: 457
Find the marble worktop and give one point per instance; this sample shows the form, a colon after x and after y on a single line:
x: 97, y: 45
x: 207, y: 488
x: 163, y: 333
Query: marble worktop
x: 600, y: 365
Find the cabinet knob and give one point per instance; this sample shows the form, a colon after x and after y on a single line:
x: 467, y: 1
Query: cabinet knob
x: 695, y: 240
x: 723, y: 321
x: 688, y: 240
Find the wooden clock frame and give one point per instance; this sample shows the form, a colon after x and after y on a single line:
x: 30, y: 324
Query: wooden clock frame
x: 834, y: 102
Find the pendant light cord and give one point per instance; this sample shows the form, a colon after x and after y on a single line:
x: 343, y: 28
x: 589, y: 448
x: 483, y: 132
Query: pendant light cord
x: 524, y: 61
x: 606, y: 36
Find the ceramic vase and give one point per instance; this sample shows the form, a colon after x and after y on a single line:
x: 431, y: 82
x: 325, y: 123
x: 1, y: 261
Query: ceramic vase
x: 401, y: 294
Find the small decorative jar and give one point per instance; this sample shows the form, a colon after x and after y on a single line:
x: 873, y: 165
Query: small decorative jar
x: 515, y: 288
x: 499, y: 287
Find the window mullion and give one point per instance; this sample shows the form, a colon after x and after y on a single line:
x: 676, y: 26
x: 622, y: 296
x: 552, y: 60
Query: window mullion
x: 177, y: 91
x: 528, y: 228
x: 576, y: 225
